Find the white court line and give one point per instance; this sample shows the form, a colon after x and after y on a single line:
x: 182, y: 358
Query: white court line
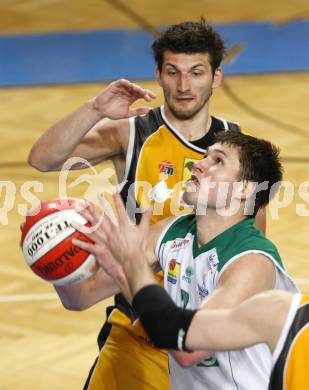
x: 301, y: 281
x: 28, y: 297
x: 51, y: 296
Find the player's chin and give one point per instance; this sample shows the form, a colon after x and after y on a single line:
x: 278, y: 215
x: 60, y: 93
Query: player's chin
x: 189, y: 198
x: 184, y: 111
x: 192, y: 186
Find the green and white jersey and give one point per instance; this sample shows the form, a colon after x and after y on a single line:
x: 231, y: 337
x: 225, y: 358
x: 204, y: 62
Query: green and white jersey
x: 191, y: 273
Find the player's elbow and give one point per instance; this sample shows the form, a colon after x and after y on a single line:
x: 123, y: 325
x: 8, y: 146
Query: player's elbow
x: 73, y: 301
x: 74, y: 305
x: 184, y: 361
x: 37, y: 159
x: 36, y: 162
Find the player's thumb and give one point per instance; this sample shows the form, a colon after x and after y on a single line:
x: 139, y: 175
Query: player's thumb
x: 140, y: 111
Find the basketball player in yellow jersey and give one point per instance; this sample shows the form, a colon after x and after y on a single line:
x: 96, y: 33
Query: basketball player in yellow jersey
x: 153, y: 152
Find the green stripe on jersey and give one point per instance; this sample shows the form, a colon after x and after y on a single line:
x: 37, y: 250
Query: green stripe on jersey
x: 180, y: 228
x: 241, y: 237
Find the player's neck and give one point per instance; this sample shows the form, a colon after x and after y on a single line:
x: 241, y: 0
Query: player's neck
x: 192, y: 129
x: 212, y: 224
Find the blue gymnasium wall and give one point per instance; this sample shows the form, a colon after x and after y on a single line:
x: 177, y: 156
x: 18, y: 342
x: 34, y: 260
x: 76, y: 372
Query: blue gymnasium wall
x: 102, y: 55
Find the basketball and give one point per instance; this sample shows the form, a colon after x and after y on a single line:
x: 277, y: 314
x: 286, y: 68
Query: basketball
x: 47, y: 246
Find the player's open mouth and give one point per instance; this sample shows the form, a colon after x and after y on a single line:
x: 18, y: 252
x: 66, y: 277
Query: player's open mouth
x: 194, y: 180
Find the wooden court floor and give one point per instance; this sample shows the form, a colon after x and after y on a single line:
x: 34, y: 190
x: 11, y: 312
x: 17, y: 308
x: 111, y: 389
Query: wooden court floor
x: 43, y: 346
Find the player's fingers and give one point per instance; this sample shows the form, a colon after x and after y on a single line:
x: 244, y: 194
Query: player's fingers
x: 85, y: 213
x: 130, y: 89
x: 136, y: 89
x: 149, y: 95
x: 146, y: 217
x: 87, y: 246
x: 95, y: 212
x: 87, y: 230
x: 122, y: 214
x: 122, y: 84
x: 139, y: 92
x: 138, y: 111
x: 81, y: 205
x: 94, y: 267
x: 107, y: 208
x: 96, y: 216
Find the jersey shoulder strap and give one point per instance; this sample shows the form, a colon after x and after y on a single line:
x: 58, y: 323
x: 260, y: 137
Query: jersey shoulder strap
x: 233, y: 126
x: 148, y: 124
x: 219, y: 124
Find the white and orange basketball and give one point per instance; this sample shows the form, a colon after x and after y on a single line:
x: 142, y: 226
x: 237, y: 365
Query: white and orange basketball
x: 47, y: 243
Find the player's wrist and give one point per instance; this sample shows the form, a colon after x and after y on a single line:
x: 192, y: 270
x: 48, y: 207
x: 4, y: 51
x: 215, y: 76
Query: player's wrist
x: 139, y: 274
x: 96, y: 109
x: 164, y: 322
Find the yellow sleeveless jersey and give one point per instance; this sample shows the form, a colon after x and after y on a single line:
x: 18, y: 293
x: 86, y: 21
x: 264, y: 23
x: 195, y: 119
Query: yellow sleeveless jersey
x: 159, y: 162
x: 291, y: 369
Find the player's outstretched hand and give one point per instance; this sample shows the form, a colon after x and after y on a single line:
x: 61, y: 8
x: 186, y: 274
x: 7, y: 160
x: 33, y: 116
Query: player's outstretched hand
x: 115, y: 100
x: 94, y: 215
x: 125, y: 240
x: 116, y: 241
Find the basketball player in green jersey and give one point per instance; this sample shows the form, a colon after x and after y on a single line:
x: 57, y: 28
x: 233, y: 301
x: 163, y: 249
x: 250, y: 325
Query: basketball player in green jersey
x: 157, y: 147
x: 215, y: 257
x: 275, y: 317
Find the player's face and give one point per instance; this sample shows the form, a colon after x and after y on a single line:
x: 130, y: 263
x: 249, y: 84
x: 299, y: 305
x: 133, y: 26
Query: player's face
x: 214, y: 178
x: 187, y: 82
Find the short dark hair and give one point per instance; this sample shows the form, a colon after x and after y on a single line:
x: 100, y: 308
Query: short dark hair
x: 259, y: 162
x: 189, y: 38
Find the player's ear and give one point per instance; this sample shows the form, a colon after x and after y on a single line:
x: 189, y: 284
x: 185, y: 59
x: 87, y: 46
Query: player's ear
x: 158, y: 76
x: 217, y: 79
x: 245, y: 189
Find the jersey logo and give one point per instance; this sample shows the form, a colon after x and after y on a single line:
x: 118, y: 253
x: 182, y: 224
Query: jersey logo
x: 202, y: 291
x: 209, y: 362
x: 184, y: 298
x: 160, y: 192
x: 167, y: 168
x: 188, y: 274
x: 179, y: 244
x: 188, y: 164
x: 213, y: 260
x: 173, y: 271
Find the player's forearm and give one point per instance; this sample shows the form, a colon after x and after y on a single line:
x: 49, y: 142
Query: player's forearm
x: 53, y: 148
x: 120, y: 280
x: 83, y: 295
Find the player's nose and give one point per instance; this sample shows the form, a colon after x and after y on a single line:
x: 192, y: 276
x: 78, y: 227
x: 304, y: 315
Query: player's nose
x: 183, y: 83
